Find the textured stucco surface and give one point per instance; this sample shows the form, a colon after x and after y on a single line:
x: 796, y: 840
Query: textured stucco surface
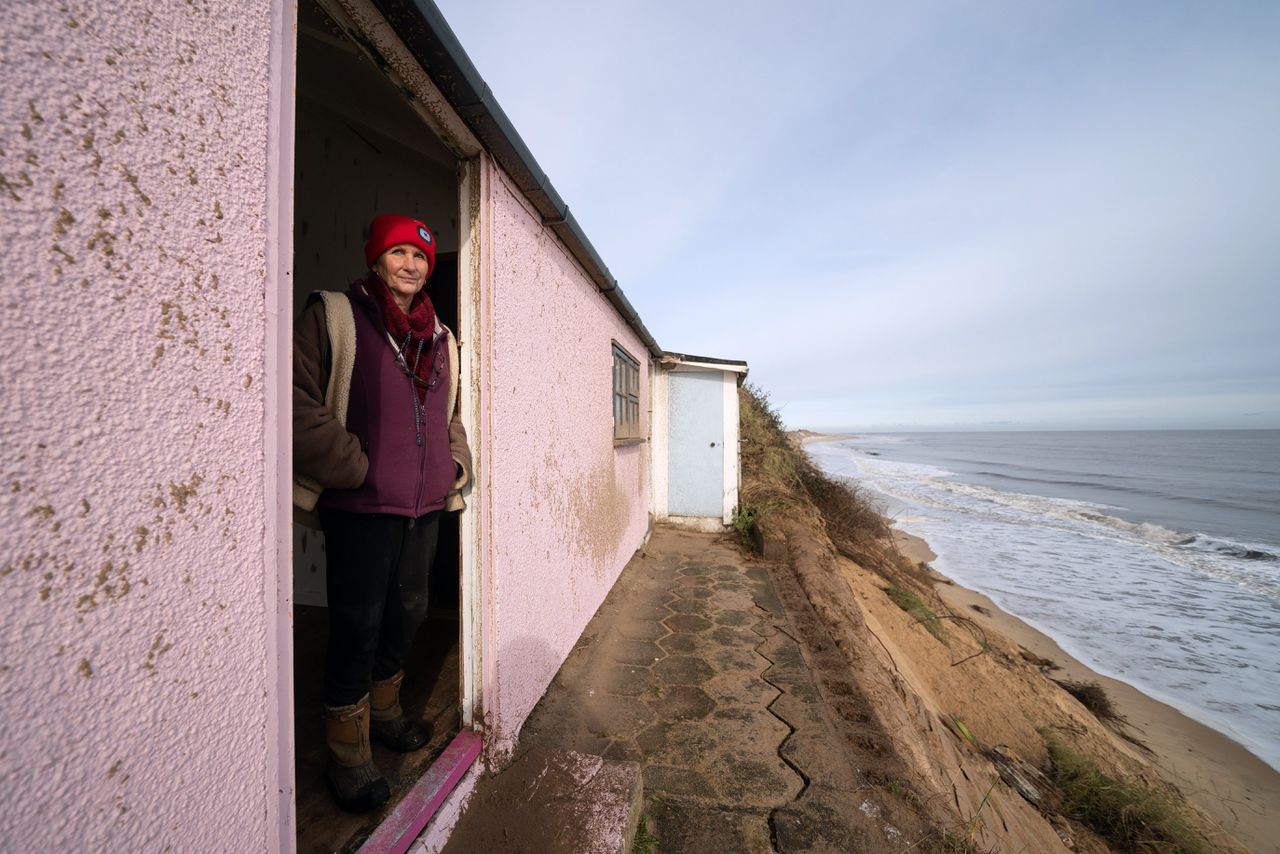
x: 566, y: 508
x: 135, y: 688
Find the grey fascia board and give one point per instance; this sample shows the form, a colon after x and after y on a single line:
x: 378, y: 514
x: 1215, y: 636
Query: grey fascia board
x: 620, y: 301
x: 567, y: 227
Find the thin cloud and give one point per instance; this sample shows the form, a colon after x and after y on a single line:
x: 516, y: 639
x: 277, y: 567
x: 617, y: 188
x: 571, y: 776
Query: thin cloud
x: 890, y: 212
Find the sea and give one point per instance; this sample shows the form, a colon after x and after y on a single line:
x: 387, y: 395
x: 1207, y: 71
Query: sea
x: 1151, y: 556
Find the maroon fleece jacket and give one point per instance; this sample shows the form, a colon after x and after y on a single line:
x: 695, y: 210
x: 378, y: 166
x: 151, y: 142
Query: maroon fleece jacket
x: 386, y: 458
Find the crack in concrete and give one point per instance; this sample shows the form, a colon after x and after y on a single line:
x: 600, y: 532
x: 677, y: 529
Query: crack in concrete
x: 791, y: 731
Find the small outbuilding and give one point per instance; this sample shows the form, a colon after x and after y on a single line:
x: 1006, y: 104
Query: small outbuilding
x: 695, y: 440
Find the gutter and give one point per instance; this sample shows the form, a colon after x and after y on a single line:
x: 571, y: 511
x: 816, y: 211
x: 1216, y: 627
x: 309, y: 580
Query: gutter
x: 424, y: 31
x: 733, y: 365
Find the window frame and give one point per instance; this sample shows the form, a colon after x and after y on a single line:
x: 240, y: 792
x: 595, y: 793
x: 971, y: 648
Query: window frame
x: 628, y: 426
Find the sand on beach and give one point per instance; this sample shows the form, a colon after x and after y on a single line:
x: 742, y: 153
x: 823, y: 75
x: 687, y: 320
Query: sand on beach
x: 1234, y: 788
x: 805, y: 437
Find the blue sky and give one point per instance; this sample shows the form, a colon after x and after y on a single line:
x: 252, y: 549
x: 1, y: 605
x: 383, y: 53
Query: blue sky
x: 931, y: 215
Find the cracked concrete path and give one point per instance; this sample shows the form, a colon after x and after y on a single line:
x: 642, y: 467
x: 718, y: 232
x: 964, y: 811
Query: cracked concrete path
x: 691, y: 668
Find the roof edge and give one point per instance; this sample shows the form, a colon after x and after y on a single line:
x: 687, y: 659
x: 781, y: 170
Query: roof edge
x: 734, y: 365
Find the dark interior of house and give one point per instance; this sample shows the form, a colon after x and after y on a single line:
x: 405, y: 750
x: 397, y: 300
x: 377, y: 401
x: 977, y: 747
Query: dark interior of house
x: 361, y: 150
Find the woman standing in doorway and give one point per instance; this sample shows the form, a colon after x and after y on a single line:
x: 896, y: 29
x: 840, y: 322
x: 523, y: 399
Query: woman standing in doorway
x: 378, y: 441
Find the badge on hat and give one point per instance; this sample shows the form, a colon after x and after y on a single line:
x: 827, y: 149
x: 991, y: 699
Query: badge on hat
x: 424, y: 234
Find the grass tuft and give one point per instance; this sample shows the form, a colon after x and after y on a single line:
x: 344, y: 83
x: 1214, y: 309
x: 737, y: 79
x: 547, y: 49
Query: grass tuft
x: 958, y: 843
x: 1131, y: 817
x: 643, y: 842
x: 744, y: 523
x: 966, y: 732
x: 901, y: 789
x: 910, y: 602
x: 966, y: 843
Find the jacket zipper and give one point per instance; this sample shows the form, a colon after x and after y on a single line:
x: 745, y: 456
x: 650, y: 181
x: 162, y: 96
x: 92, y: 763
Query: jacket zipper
x: 419, y: 429
x: 422, y: 431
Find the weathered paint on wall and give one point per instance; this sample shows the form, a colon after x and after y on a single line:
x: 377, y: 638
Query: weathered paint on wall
x: 137, y: 694
x: 143, y: 639
x: 566, y: 508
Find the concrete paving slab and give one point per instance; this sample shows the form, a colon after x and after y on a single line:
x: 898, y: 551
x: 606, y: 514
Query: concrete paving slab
x: 686, y: 606
x: 671, y: 780
x: 687, y: 825
x: 629, y: 680
x: 687, y: 624
x: 690, y: 744
x: 738, y: 688
x: 754, y: 780
x: 642, y: 653
x: 735, y: 658
x: 641, y: 630
x: 552, y: 802
x: 681, y: 703
x: 683, y: 670
x: 680, y: 644
x: 615, y: 717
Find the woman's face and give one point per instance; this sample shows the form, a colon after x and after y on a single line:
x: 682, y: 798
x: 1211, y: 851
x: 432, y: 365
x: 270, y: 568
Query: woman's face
x: 404, y: 268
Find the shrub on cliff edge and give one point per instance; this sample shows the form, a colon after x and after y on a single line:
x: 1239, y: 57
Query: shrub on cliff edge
x: 777, y: 473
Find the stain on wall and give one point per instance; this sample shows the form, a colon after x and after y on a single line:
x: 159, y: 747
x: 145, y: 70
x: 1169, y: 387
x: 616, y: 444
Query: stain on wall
x: 133, y: 201
x: 569, y: 509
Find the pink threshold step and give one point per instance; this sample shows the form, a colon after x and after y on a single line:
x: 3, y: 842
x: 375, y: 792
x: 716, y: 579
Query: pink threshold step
x: 405, y: 823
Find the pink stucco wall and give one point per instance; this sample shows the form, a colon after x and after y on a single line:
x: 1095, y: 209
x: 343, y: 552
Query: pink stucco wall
x: 145, y: 208
x: 137, y: 605
x: 566, y: 508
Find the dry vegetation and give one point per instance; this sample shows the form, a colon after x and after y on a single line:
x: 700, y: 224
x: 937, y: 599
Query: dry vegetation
x: 778, y: 476
x: 1092, y: 696
x: 1130, y: 817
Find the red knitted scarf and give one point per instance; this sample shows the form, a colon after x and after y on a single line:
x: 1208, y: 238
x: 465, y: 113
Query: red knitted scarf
x: 413, y: 332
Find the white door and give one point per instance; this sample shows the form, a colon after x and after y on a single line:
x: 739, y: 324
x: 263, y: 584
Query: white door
x: 695, y: 435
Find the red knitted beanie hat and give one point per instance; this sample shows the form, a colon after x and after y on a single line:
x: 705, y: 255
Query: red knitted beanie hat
x: 390, y: 230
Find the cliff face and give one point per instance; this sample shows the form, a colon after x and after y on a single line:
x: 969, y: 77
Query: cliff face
x: 969, y: 715
x: 946, y: 777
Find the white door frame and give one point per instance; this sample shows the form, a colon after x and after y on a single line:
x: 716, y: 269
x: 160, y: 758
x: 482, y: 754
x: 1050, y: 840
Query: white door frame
x: 473, y: 192
x: 281, y: 803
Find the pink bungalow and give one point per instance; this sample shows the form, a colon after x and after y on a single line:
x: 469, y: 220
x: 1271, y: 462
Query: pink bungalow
x: 175, y: 177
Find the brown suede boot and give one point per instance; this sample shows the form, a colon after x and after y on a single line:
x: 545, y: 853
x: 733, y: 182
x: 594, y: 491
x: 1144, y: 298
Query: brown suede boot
x: 356, y: 784
x: 389, y: 725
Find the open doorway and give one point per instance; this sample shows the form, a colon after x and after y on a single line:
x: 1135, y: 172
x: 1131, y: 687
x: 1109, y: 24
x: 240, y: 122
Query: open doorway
x: 361, y: 150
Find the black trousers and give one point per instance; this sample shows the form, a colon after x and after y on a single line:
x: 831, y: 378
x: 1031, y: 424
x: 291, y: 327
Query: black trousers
x: 378, y: 566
